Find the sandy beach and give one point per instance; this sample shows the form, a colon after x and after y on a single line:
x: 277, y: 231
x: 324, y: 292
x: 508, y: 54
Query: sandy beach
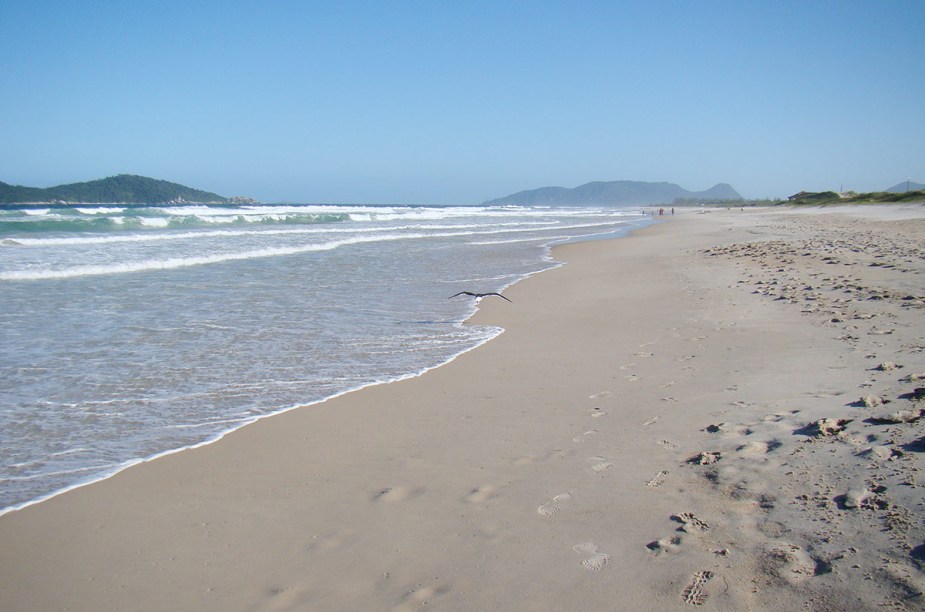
x: 720, y: 411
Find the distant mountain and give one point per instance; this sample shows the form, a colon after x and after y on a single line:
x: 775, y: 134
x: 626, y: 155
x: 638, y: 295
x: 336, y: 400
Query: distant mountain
x: 121, y: 189
x: 615, y: 193
x: 905, y: 186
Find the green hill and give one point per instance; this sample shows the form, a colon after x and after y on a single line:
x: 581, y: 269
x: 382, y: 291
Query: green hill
x: 121, y: 189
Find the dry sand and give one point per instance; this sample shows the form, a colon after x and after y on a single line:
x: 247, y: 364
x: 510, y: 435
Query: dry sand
x: 719, y: 411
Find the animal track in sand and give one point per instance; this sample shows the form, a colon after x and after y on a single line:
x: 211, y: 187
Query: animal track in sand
x: 597, y: 412
x: 651, y: 421
x: 632, y: 378
x: 584, y: 437
x: 668, y: 444
x: 694, y: 593
x: 599, y: 464
x: 657, y: 479
x: 597, y: 561
x: 601, y: 395
x: 552, y: 507
x: 690, y: 523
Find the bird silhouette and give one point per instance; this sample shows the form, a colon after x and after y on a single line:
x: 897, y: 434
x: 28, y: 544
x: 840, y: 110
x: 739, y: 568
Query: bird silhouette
x: 478, y: 295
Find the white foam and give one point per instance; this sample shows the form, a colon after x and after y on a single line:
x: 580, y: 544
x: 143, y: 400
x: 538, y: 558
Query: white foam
x: 183, y: 262
x: 153, y: 221
x: 102, y: 210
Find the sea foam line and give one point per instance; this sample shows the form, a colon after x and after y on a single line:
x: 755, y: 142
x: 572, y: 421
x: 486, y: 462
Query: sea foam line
x: 180, y: 235
x: 183, y: 262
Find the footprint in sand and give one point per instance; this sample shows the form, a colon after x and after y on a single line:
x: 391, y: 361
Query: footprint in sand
x: 596, y: 561
x: 658, y: 479
x: 690, y: 523
x: 651, y: 421
x: 668, y: 444
x: 597, y: 412
x: 694, y: 593
x: 777, y: 417
x: 758, y: 448
x: 601, y: 395
x: 729, y: 429
x: 706, y: 458
x: 287, y: 598
x: 584, y: 437
x: 599, y: 464
x: 556, y: 453
x: 793, y: 564
x: 670, y: 545
x: 481, y: 494
x: 552, y: 507
x: 420, y: 597
x: 396, y: 494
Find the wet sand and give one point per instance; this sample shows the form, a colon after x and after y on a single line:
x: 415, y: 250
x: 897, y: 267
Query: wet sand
x: 719, y: 411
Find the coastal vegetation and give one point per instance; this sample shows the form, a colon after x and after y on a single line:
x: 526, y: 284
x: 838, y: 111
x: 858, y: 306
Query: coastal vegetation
x: 830, y: 198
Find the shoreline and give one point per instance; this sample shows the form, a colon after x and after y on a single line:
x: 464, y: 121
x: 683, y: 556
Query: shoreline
x: 547, y: 257
x: 551, y: 467
x: 219, y: 436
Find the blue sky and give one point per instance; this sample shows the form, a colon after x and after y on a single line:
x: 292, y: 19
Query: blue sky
x: 458, y: 102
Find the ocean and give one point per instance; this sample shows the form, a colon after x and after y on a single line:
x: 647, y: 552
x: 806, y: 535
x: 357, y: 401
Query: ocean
x: 131, y: 332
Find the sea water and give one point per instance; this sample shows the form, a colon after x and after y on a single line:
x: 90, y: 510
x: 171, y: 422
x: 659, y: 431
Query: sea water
x: 129, y: 332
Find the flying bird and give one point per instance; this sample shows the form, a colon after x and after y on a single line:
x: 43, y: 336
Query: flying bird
x: 478, y: 295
